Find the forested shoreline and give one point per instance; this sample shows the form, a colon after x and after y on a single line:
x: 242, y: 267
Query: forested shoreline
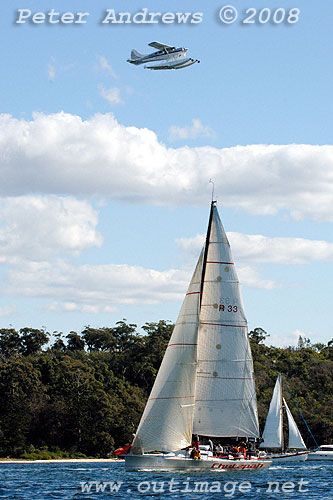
x: 84, y: 394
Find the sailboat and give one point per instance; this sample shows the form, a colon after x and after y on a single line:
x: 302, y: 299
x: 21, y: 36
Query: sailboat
x: 205, y: 385
x: 273, y: 438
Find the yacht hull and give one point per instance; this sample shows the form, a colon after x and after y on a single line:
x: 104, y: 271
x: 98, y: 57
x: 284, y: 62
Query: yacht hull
x: 163, y: 462
x: 289, y: 457
x: 320, y: 456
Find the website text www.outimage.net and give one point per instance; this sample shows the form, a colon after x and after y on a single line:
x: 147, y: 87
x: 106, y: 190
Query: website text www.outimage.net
x: 228, y: 488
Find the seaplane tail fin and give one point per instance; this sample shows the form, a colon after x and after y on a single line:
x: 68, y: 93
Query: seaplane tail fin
x: 135, y: 54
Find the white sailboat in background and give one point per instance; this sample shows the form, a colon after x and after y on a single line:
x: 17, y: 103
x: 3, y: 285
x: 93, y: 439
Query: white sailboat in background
x: 205, y: 384
x: 323, y: 452
x: 273, y: 431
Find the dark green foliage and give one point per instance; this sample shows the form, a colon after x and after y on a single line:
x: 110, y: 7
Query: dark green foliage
x: 22, y: 394
x: 75, y: 342
x: 10, y: 342
x: 32, y: 340
x: 85, y: 394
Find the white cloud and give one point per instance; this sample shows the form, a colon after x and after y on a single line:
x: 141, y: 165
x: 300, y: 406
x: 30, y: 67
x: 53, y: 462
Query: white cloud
x: 72, y: 307
x: 250, y: 277
x: 262, y: 249
x: 286, y: 339
x: 258, y: 248
x: 193, y: 131
x: 40, y: 226
x: 106, y: 66
x: 111, y: 95
x: 191, y: 245
x: 94, y: 287
x: 64, y: 154
x: 63, y: 307
x: 97, y: 288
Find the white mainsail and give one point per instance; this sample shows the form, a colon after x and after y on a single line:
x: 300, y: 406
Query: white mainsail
x: 205, y: 384
x: 273, y: 431
x: 226, y: 402
x: 167, y: 421
x: 295, y: 440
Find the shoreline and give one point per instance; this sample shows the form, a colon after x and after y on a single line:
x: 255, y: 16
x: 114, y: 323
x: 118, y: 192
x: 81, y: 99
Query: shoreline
x: 56, y: 460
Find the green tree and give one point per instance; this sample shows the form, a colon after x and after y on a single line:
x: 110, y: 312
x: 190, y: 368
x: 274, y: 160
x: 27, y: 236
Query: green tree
x: 59, y: 343
x: 32, y: 340
x: 258, y: 336
x: 21, y: 397
x: 98, y: 339
x: 10, y: 342
x: 75, y: 342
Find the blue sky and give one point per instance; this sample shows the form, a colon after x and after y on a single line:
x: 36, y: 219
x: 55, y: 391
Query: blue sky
x: 105, y: 167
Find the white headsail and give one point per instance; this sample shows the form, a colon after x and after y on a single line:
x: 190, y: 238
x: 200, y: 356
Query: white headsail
x: 295, y: 439
x: 273, y: 431
x: 226, y: 402
x: 167, y: 421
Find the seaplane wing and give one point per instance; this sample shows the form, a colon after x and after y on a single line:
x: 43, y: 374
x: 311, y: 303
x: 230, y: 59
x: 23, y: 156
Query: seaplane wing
x: 160, y: 46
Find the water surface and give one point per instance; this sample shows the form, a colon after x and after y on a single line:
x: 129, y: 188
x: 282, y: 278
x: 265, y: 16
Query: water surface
x: 98, y: 481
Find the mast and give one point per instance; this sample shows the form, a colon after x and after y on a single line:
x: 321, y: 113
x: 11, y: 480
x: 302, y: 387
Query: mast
x: 204, y: 262
x: 212, y: 205
x: 281, y: 414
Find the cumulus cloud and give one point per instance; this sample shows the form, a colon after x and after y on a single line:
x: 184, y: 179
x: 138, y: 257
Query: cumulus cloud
x: 193, y: 131
x: 250, y: 277
x: 70, y: 307
x: 94, y: 287
x: 262, y: 249
x: 192, y: 245
x: 64, y: 154
x: 40, y: 226
x: 259, y: 248
x: 111, y: 95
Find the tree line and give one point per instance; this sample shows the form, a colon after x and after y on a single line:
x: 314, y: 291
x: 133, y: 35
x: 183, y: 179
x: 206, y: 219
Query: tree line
x: 84, y: 393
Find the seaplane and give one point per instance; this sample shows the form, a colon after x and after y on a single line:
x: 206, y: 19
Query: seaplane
x: 174, y: 57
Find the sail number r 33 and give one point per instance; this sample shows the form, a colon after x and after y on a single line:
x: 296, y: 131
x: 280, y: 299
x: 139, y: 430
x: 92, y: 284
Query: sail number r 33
x: 229, y: 308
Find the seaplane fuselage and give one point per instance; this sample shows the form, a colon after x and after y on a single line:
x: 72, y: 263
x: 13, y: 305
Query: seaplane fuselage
x: 160, y: 55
